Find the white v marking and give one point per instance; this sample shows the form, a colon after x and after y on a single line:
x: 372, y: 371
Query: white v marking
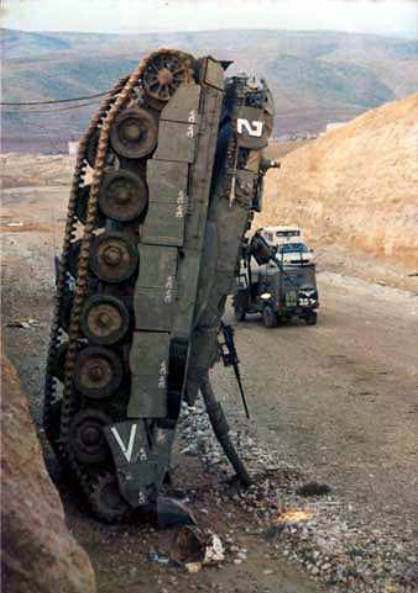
x: 127, y: 451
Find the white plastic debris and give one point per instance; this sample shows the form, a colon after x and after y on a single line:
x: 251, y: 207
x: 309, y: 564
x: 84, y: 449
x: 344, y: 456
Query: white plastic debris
x: 214, y: 551
x: 193, y: 567
x: 23, y: 323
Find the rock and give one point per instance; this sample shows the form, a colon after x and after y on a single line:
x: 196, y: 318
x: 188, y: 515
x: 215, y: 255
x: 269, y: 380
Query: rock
x: 313, y: 489
x: 192, y: 545
x: 173, y: 513
x: 188, y: 545
x: 410, y: 576
x: 193, y: 567
x: 38, y: 553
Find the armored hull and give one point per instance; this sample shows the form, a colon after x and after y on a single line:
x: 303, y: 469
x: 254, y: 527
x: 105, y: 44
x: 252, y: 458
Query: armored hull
x: 149, y: 255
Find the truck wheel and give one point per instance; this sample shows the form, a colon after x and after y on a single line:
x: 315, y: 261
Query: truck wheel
x: 239, y: 313
x: 312, y: 318
x: 239, y: 310
x: 269, y: 317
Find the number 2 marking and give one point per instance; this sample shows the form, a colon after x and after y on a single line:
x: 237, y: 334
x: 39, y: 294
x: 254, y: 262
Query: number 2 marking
x: 254, y: 128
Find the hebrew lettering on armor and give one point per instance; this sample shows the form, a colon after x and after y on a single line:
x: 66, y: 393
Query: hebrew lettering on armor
x: 169, y: 290
x: 162, y: 376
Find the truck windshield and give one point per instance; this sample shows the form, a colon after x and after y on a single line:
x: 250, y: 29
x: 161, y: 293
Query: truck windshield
x: 292, y: 247
x: 294, y: 233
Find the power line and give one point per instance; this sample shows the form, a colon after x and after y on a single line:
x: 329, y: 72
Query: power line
x: 50, y: 101
x: 47, y: 110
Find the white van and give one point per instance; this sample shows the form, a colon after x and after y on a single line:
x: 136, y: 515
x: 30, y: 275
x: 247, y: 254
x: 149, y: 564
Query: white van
x: 289, y: 243
x: 277, y: 235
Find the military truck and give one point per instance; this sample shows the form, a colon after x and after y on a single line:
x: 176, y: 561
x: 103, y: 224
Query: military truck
x: 150, y: 247
x: 277, y: 290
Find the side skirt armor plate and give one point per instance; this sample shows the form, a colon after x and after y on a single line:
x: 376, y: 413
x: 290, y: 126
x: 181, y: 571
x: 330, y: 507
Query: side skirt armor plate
x: 170, y: 250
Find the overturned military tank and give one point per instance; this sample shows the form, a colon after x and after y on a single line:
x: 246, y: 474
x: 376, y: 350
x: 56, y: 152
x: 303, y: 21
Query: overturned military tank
x: 151, y: 245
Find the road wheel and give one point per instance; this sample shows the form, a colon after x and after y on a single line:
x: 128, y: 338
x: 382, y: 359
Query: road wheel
x: 312, y: 318
x: 269, y: 317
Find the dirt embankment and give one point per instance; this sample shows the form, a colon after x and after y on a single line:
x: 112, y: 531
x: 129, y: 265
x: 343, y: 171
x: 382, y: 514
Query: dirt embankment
x: 356, y: 186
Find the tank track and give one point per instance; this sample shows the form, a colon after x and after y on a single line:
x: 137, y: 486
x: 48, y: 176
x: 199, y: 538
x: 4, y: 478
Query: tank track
x: 60, y: 410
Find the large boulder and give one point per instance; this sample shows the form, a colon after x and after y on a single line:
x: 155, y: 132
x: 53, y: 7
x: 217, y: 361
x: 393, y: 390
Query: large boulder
x: 38, y: 553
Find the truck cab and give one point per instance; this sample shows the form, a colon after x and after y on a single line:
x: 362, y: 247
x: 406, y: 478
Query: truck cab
x: 288, y: 241
x: 279, y: 235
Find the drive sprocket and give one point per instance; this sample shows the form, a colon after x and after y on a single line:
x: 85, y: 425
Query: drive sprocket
x: 164, y: 72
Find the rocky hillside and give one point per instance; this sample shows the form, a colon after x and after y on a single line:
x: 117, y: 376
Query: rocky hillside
x: 316, y: 76
x: 356, y: 186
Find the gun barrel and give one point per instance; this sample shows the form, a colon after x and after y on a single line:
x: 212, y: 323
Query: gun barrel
x: 241, y: 390
x: 228, y: 333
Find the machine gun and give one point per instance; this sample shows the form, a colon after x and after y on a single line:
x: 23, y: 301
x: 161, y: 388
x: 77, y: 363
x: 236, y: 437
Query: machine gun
x: 229, y: 357
x: 265, y: 165
x: 264, y: 253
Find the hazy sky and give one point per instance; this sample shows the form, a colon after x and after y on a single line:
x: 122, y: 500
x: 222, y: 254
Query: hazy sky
x: 390, y: 17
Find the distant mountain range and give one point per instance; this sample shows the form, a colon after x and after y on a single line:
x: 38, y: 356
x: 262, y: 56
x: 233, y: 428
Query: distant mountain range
x: 316, y: 77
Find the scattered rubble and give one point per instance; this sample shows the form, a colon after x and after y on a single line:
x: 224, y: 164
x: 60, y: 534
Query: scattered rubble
x: 325, y: 537
x: 23, y: 323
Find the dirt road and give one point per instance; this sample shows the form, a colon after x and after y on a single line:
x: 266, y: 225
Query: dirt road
x: 340, y: 398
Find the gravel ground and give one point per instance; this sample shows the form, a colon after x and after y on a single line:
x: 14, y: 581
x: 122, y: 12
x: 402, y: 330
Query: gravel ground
x: 317, y: 532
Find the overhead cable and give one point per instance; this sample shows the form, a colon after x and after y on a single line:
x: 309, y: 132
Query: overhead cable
x: 70, y: 107
x: 50, y: 101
